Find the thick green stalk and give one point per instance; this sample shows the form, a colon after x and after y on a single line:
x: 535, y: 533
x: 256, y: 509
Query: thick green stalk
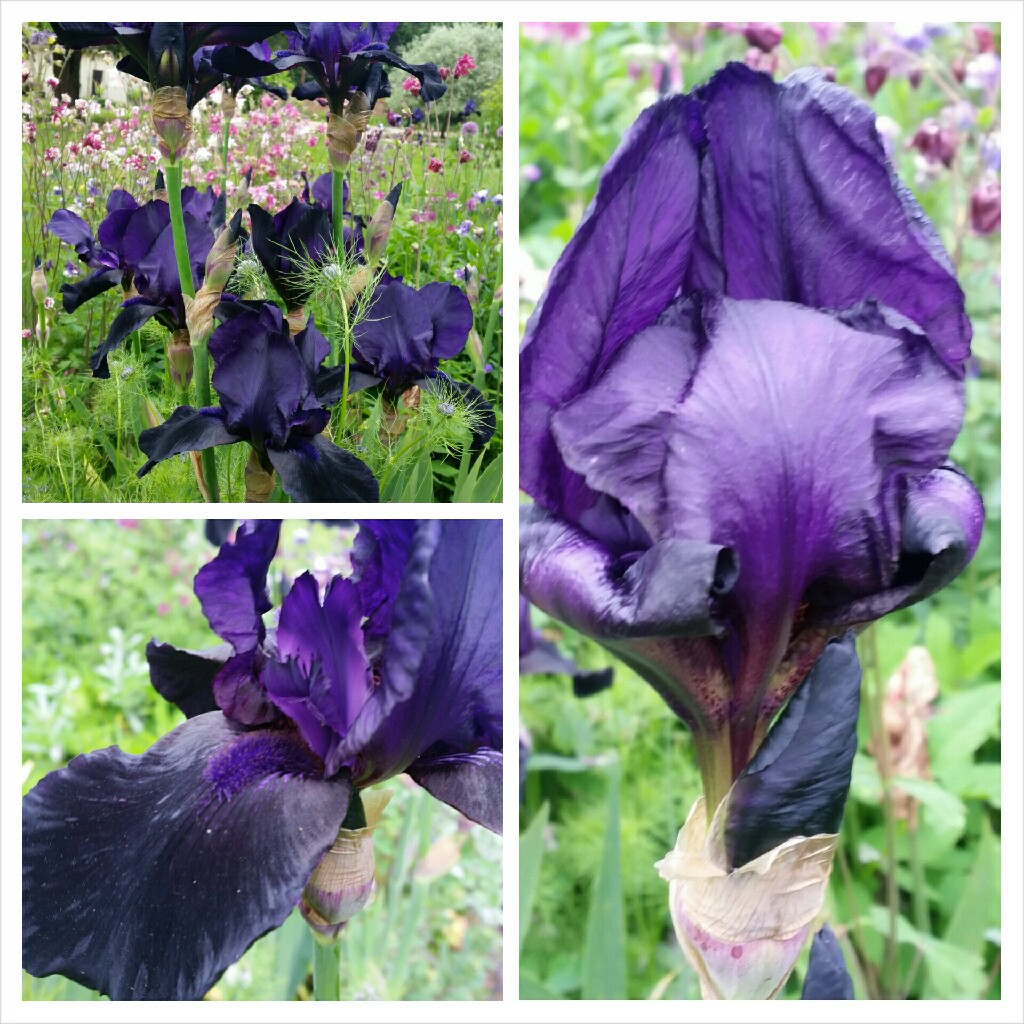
x: 201, y: 375
x: 327, y: 971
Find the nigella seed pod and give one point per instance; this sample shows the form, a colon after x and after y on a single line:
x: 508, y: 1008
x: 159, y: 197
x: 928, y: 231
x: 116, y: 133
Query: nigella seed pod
x: 343, y: 881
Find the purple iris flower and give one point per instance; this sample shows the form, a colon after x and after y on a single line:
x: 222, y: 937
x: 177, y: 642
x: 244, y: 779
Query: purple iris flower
x: 267, y: 386
x: 401, y: 341
x: 145, y: 876
x: 340, y: 58
x: 164, y: 53
x: 208, y: 77
x: 738, y: 398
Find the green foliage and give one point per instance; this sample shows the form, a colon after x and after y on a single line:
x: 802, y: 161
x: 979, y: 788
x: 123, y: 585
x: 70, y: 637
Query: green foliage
x: 444, y: 44
x: 96, y: 592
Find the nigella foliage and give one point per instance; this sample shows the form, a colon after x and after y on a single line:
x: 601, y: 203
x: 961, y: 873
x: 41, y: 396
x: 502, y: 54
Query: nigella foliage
x: 266, y: 381
x: 739, y: 394
x: 146, y: 876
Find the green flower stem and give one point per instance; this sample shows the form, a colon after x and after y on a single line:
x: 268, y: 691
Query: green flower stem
x: 485, y: 347
x: 201, y: 370
x: 714, y: 758
x: 326, y: 971
x: 338, y: 210
x: 346, y: 351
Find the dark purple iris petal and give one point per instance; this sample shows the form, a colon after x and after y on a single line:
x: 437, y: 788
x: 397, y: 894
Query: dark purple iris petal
x: 326, y: 643
x: 826, y: 976
x: 148, y: 249
x: 396, y: 337
x: 121, y: 205
x: 796, y: 783
x: 145, y: 876
x: 732, y: 442
x: 623, y: 265
x: 70, y: 228
x: 232, y: 588
x: 134, y: 313
x: 85, y: 290
x: 187, y: 430
x: 287, y: 243
x: 323, y: 191
x: 451, y: 316
x: 259, y: 375
x: 471, y: 783
x: 315, y: 469
x: 240, y: 691
x: 184, y: 677
x: 380, y: 553
x: 796, y: 184
x: 454, y: 707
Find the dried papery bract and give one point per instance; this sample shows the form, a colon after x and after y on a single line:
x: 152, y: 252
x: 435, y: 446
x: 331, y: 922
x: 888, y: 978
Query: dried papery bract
x: 219, y: 264
x: 180, y: 359
x: 172, y: 122
x: 345, y: 130
x: 343, y: 881
x: 259, y: 480
x: 742, y: 930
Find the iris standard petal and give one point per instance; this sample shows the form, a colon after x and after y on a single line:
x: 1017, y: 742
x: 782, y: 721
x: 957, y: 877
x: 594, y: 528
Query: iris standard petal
x: 232, y: 587
x: 454, y: 706
x: 328, y: 636
x: 623, y: 265
x: 148, y: 249
x: 315, y: 469
x: 380, y: 558
x: 187, y: 430
x: 145, y: 876
x: 451, y: 315
x: 259, y: 376
x: 471, y: 783
x: 70, y: 228
x: 284, y: 244
x: 396, y: 336
x: 185, y: 678
x: 799, y: 185
x: 796, y: 784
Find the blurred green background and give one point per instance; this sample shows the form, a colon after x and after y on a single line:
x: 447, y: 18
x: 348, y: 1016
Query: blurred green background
x: 94, y: 593
x: 915, y: 890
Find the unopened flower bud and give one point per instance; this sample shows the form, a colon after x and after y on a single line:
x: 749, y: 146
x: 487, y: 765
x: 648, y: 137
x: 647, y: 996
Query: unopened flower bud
x: 379, y: 228
x: 764, y: 35
x: 476, y: 348
x: 986, y: 207
x: 243, y: 189
x: 874, y: 78
x: 259, y: 479
x: 935, y: 143
x: 160, y: 186
x: 959, y: 68
x: 472, y: 284
x: 914, y: 76
x: 150, y: 413
x: 172, y: 122
x: 180, y: 358
x: 38, y: 281
x: 343, y: 881
x: 221, y: 260
x: 345, y: 130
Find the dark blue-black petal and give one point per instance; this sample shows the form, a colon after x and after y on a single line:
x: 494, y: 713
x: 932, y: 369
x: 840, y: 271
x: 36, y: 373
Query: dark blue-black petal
x: 315, y: 469
x: 145, y: 876
x: 96, y: 283
x: 796, y: 783
x: 471, y: 783
x: 131, y: 318
x: 826, y: 972
x: 184, y: 677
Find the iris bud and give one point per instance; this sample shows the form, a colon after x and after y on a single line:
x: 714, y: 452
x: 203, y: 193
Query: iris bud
x: 180, y: 358
x: 219, y: 264
x: 344, y: 130
x: 38, y: 281
x: 379, y: 228
x: 343, y: 881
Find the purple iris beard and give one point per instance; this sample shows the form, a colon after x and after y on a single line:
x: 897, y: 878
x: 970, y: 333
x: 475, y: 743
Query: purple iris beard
x: 739, y: 393
x: 146, y: 876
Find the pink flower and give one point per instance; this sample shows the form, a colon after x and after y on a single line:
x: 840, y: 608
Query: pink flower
x: 465, y: 156
x: 463, y: 66
x: 986, y: 207
x: 163, y: 608
x: 52, y: 153
x: 52, y: 82
x: 27, y: 333
x: 311, y: 141
x: 48, y: 302
x: 412, y: 86
x: 435, y: 166
x: 443, y: 72
x: 378, y: 194
x: 450, y: 195
x: 267, y: 100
